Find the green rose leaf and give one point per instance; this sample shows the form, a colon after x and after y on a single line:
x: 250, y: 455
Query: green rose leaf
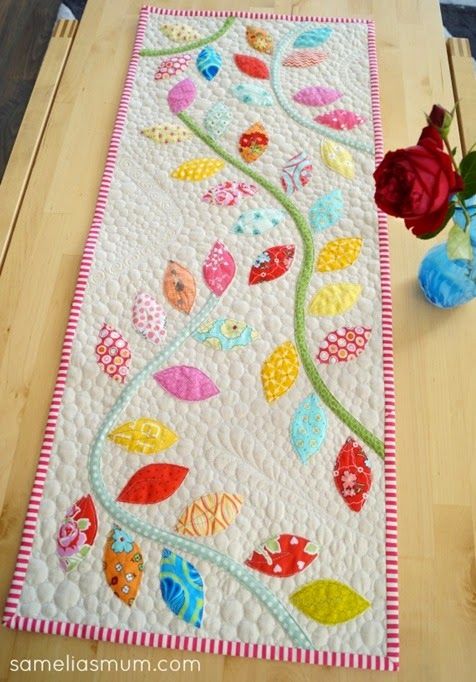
x: 83, y: 524
x: 467, y: 171
x: 458, y: 245
x: 448, y: 216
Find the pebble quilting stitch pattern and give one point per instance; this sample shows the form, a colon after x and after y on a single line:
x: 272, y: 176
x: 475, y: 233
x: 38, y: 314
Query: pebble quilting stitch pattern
x: 207, y: 497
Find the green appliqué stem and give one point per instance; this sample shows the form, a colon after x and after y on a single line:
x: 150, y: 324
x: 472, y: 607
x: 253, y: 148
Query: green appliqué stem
x: 227, y: 24
x: 302, y: 285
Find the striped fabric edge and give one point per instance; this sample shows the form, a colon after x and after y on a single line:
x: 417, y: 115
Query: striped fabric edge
x: 389, y: 662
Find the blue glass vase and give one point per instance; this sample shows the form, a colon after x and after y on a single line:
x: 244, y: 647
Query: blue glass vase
x: 448, y: 283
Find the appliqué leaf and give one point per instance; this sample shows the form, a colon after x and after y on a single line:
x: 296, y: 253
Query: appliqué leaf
x: 77, y: 533
x: 123, y: 565
x: 340, y: 119
x: 209, y: 62
x: 313, y: 37
x: 308, y: 428
x: 296, y: 173
x: 180, y: 33
x: 209, y: 515
x: 271, y: 264
x: 113, y: 353
x: 338, y: 254
x: 197, y: 169
x: 229, y: 193
x: 181, y: 587
x: 219, y: 269
x: 329, y: 602
x: 143, y: 435
x: 179, y: 287
x: 259, y: 39
x: 251, y: 66
x: 181, y: 96
x: 217, y: 119
x: 149, y: 318
x: 186, y: 383
x: 353, y: 475
x: 338, y: 158
x: 343, y: 344
x: 316, y: 96
x: 279, y: 371
x: 257, y: 221
x: 334, y: 299
x: 304, y: 58
x: 326, y: 211
x: 225, y: 334
x: 252, y: 93
x: 172, y: 66
x: 165, y: 133
x: 153, y: 483
x: 253, y: 142
x: 283, y: 555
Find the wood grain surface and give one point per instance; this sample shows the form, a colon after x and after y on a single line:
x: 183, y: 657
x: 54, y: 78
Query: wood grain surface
x: 435, y: 381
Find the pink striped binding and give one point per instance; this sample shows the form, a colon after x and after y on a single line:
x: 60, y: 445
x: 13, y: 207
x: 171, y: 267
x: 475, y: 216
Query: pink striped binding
x: 199, y: 644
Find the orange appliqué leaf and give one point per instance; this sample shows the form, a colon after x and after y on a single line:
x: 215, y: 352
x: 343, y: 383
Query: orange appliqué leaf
x: 123, y: 565
x: 179, y: 287
x: 209, y: 514
x: 253, y: 142
x: 259, y: 39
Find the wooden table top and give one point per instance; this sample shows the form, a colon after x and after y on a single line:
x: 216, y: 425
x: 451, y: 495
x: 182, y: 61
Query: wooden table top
x: 435, y: 381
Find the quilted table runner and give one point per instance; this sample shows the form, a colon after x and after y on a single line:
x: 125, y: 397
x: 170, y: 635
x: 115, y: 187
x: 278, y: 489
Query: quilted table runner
x: 218, y: 468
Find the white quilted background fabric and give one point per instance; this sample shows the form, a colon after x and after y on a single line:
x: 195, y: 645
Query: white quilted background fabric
x: 237, y: 441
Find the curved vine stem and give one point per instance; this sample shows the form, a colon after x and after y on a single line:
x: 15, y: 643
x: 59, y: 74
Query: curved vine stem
x: 165, y: 537
x: 227, y: 24
x: 302, y: 285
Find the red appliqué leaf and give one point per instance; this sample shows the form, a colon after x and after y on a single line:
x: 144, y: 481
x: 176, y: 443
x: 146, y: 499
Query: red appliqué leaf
x: 251, y: 66
x: 352, y: 475
x: 153, y: 483
x: 271, y: 264
x: 283, y: 556
x: 77, y: 533
x: 343, y: 344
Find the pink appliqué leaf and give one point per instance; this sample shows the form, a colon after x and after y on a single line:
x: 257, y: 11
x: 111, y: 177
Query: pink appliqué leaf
x: 182, y: 95
x: 228, y: 193
x: 340, y: 119
x: 149, y: 318
x: 316, y: 96
x: 186, y: 383
x: 219, y: 269
x: 304, y: 58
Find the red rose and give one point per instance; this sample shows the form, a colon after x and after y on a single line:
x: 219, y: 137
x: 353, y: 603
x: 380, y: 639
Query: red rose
x: 416, y: 183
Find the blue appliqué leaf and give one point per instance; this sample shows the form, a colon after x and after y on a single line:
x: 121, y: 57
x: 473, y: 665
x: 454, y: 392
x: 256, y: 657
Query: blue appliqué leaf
x: 251, y: 93
x: 181, y: 586
x: 313, y: 37
x: 225, y: 334
x: 209, y: 62
x: 257, y: 221
x: 217, y: 119
x: 326, y: 211
x: 308, y: 427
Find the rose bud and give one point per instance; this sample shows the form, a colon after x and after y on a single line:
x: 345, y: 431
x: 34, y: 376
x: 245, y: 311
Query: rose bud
x: 440, y: 118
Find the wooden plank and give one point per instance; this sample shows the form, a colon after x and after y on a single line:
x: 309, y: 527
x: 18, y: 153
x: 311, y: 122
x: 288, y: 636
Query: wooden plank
x: 23, y: 155
x: 464, y: 86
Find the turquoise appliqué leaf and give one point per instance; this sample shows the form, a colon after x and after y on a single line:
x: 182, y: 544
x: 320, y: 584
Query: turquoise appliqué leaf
x: 257, y: 221
x: 181, y: 586
x: 225, y: 334
x: 326, y: 211
x: 251, y: 93
x: 217, y: 119
x: 209, y: 63
x: 308, y: 427
x: 313, y: 37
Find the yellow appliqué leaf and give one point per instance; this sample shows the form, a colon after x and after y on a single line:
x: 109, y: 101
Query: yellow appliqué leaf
x: 180, y: 33
x: 329, y: 602
x: 165, y: 133
x: 209, y: 515
x: 198, y: 169
x: 279, y: 371
x: 334, y: 299
x: 146, y: 436
x: 338, y: 254
x: 338, y: 158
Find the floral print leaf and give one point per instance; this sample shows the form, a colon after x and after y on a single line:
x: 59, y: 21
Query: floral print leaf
x: 283, y: 555
x: 225, y: 334
x: 77, y: 533
x: 209, y: 515
x: 123, y: 565
x: 252, y: 66
x: 252, y: 93
x: 334, y: 299
x: 257, y: 221
x: 304, y: 58
x: 353, y: 475
x: 343, y: 344
x: 217, y: 119
x: 181, y: 587
x: 149, y: 318
x: 113, y: 353
x: 253, y: 142
x: 259, y: 39
x: 179, y: 287
x: 219, y: 269
x: 180, y: 33
x: 209, y: 62
x: 326, y: 211
x: 296, y: 173
x: 229, y: 193
x: 338, y: 254
x: 172, y: 66
x: 145, y: 436
x: 279, y: 371
x: 340, y: 119
x: 186, y: 383
x: 197, y: 169
x: 182, y: 95
x: 271, y: 264
x: 338, y: 158
x: 329, y: 602
x: 153, y: 483
x: 316, y: 96
x: 308, y: 427
x: 313, y: 37
x: 166, y: 133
